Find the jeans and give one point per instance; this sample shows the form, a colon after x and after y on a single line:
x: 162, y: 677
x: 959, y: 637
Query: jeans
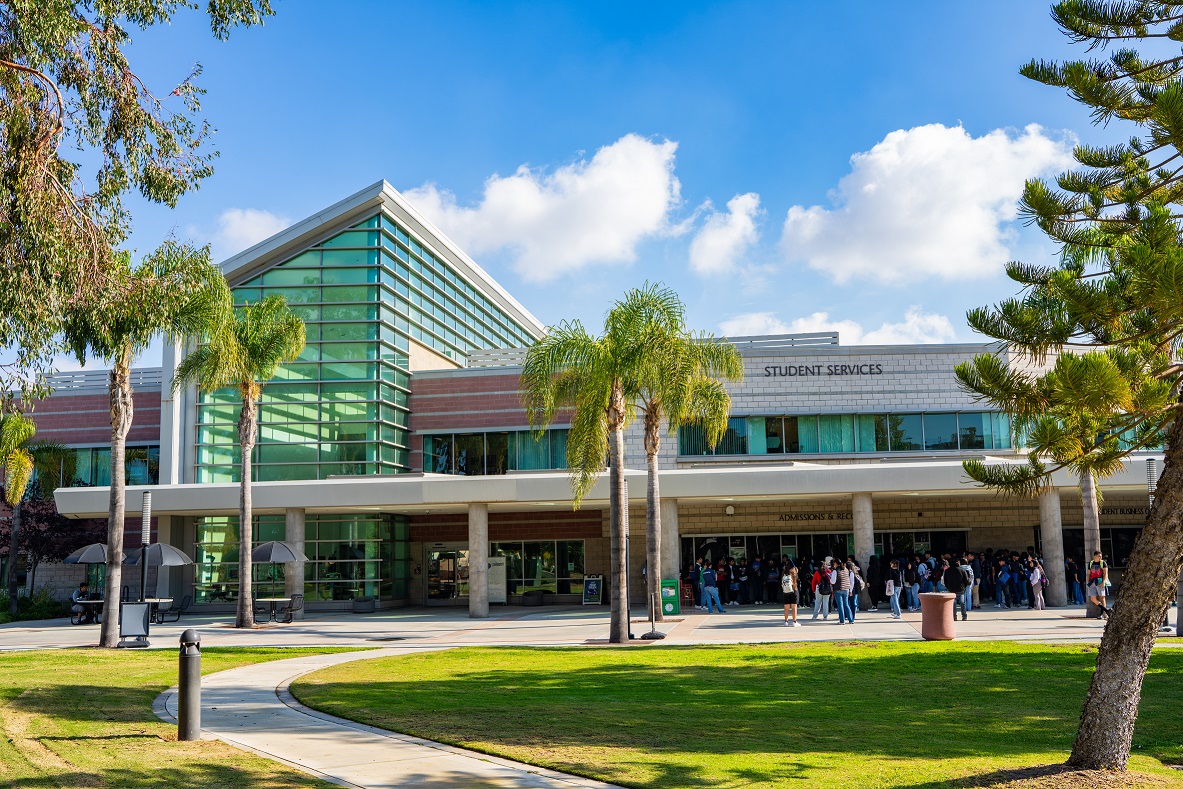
x: 842, y: 602
x: 959, y: 600
x: 914, y: 596
x: 967, y: 602
x: 702, y: 596
x: 711, y: 598
x: 1077, y: 593
x: 895, y: 602
x: 926, y: 586
x: 821, y: 602
x: 1004, y: 594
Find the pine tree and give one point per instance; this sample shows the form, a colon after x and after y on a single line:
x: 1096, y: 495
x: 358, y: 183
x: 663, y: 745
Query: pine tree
x: 1110, y: 311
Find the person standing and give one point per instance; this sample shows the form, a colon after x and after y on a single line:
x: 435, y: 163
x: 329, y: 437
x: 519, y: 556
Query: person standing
x: 976, y: 567
x: 912, y: 585
x: 788, y: 591
x: 1098, y: 582
x: 1035, y: 578
x: 1002, y: 584
x: 954, y: 581
x: 772, y: 577
x: 967, y: 574
x: 841, y: 582
x: 876, y: 583
x: 823, y: 586
x: 756, y: 581
x: 893, y: 586
x: 710, y: 590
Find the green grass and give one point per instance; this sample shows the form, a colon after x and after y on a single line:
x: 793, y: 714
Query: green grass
x: 835, y: 715
x: 76, y: 718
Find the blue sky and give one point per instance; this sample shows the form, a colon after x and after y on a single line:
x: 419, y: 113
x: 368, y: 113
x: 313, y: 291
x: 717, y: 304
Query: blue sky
x: 576, y: 149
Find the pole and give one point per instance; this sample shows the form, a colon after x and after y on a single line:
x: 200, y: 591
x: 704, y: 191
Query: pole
x: 189, y: 687
x: 145, y: 537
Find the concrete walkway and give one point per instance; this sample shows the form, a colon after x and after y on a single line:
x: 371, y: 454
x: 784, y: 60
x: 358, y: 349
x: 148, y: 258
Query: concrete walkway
x: 251, y: 708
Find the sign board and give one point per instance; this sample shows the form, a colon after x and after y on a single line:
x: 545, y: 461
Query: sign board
x: 593, y: 589
x: 497, y: 580
x: 133, y: 620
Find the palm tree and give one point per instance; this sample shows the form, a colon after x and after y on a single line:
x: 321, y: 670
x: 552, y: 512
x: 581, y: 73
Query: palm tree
x: 596, y: 377
x: 677, y: 383
x: 245, y: 353
x: 15, y: 431
x: 176, y: 291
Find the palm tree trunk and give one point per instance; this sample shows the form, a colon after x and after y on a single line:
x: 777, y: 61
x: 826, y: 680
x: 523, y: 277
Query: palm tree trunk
x: 617, y: 511
x: 13, y: 546
x: 121, y: 416
x: 1092, y: 516
x: 246, y: 438
x: 1147, y: 587
x: 653, y: 514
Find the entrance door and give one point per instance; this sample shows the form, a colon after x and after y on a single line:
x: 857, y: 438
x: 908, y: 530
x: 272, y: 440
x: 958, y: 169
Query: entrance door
x: 447, y: 573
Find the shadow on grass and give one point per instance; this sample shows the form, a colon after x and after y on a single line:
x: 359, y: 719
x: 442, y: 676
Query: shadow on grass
x: 789, y: 708
x: 198, y: 776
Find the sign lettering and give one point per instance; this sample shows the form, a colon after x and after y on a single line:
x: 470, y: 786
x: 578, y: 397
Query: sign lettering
x: 806, y: 370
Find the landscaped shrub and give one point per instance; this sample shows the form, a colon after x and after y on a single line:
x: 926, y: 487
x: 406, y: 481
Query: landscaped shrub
x: 40, y: 606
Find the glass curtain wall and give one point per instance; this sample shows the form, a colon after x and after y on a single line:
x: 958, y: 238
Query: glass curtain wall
x: 349, y: 555
x: 92, y: 466
x: 342, y: 407
x: 477, y: 454
x: 548, y: 565
x: 851, y: 433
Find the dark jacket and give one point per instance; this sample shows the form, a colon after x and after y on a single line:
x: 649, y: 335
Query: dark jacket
x: 953, y: 580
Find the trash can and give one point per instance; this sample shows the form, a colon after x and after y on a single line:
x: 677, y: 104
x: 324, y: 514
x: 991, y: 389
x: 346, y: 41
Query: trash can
x: 364, y: 604
x: 937, y: 620
x: 670, y: 601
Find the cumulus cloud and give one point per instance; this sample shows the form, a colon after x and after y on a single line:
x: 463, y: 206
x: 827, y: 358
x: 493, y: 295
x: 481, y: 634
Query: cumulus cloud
x: 242, y: 228
x: 928, y: 201
x: 917, y: 327
x: 726, y: 236
x: 587, y: 212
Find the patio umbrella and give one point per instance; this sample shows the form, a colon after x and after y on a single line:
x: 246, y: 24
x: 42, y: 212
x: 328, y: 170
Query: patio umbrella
x: 159, y: 555
x: 277, y: 552
x: 95, y: 553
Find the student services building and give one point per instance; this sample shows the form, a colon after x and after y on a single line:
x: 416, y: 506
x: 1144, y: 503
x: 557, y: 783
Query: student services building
x: 397, y: 443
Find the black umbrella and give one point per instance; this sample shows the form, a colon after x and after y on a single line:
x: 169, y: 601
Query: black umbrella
x: 277, y: 552
x: 95, y: 553
x: 159, y: 555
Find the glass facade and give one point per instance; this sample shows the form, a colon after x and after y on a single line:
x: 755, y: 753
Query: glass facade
x: 547, y: 565
x: 851, y: 433
x: 349, y: 555
x: 92, y: 466
x: 477, y: 454
x: 341, y: 407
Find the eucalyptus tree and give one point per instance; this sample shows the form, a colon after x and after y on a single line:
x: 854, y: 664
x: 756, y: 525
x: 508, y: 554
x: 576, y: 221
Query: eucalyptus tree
x: 677, y: 382
x: 176, y: 292
x: 597, y: 379
x: 16, y: 430
x: 244, y: 353
x: 1117, y: 288
x: 82, y: 128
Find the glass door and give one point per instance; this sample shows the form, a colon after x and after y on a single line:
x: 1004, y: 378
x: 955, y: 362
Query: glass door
x: 447, y: 573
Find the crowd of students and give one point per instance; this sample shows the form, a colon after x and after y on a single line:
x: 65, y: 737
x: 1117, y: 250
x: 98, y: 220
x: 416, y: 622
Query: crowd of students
x: 1010, y: 578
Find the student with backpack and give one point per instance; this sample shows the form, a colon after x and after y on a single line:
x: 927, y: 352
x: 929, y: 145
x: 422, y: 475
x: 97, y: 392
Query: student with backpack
x: 1098, y: 582
x: 1002, y: 584
x: 823, y: 587
x: 710, y: 589
x: 912, y: 585
x: 788, y: 594
x: 893, y: 586
x: 841, y: 584
x: 954, y: 581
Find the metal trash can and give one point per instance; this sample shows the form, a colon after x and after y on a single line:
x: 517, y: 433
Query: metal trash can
x: 937, y: 620
x: 671, y: 603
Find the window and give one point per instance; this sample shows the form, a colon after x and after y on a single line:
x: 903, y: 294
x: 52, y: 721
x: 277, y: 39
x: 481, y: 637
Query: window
x: 475, y: 454
x: 940, y: 431
x: 549, y: 565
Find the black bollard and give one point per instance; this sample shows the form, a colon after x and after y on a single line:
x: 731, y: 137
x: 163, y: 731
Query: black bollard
x: 189, y: 687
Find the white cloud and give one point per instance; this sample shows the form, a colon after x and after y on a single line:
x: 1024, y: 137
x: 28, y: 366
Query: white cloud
x: 587, y: 212
x: 917, y: 327
x: 242, y: 228
x: 927, y: 201
x: 726, y: 237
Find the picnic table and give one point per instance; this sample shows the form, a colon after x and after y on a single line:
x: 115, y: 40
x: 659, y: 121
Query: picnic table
x: 273, y: 601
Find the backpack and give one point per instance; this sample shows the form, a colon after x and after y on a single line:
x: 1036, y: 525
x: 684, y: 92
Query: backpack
x: 923, y: 571
x: 967, y: 580
x: 786, y: 584
x: 858, y: 583
x: 823, y: 585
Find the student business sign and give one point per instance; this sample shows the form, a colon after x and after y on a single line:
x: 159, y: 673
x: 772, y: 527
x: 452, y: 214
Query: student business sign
x: 808, y: 370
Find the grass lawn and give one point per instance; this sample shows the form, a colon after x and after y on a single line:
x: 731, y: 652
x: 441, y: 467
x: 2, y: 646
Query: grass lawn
x: 81, y: 718
x: 833, y: 715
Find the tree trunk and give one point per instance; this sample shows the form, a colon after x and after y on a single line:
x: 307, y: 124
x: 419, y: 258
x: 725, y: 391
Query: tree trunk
x: 653, y: 513
x: 247, y: 420
x: 1092, y: 516
x: 617, y: 511
x: 13, y: 545
x: 1147, y: 587
x: 32, y: 575
x: 121, y: 416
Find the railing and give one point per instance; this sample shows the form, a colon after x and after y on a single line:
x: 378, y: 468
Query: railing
x: 100, y: 379
x: 497, y: 357
x: 772, y: 342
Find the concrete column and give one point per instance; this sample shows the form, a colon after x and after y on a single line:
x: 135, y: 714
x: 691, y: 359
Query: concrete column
x: 671, y: 541
x: 864, y: 536
x: 293, y: 572
x: 478, y: 561
x: 170, y: 417
x: 1051, y: 534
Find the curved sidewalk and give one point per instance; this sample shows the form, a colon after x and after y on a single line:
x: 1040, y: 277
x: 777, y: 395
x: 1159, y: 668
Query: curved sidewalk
x: 250, y: 707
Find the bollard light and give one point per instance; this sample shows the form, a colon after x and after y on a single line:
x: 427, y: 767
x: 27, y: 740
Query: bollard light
x: 189, y: 687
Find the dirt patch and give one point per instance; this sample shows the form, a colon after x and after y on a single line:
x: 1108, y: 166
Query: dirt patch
x: 1060, y: 776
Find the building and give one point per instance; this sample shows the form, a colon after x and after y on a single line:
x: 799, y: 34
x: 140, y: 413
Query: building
x: 397, y: 443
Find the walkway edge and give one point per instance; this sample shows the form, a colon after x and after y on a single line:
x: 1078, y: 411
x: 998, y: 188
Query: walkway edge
x: 164, y: 703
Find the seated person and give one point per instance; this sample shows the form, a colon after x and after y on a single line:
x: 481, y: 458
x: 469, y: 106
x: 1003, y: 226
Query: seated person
x: 86, y: 613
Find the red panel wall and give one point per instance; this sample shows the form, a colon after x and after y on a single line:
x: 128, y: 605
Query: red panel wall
x: 560, y: 525
x: 86, y: 418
